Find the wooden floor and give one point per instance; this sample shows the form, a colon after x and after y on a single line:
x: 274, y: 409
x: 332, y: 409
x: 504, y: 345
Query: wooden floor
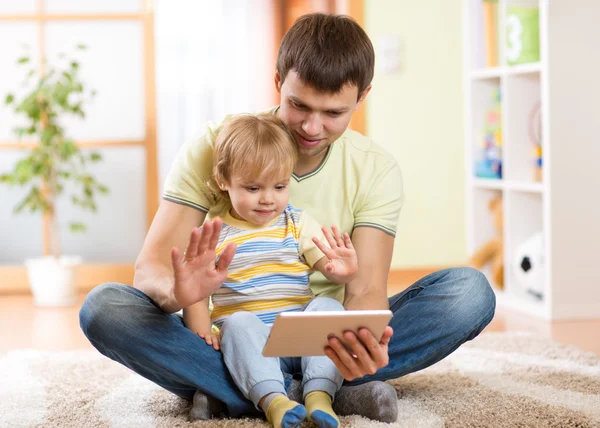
x: 22, y: 325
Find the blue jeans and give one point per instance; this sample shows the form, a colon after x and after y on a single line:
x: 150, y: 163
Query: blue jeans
x: 431, y: 319
x: 243, y: 337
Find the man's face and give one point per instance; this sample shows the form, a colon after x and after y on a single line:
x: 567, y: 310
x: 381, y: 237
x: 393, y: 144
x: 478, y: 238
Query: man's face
x: 316, y: 119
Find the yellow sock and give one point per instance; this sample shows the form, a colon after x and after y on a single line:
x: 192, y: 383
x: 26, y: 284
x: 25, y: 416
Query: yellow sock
x: 285, y: 413
x: 318, y: 407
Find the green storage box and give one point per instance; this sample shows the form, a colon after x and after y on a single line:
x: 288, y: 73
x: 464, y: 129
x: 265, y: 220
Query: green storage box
x: 522, y: 35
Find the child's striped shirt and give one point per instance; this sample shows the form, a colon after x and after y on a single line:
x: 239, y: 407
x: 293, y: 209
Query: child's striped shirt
x: 269, y: 272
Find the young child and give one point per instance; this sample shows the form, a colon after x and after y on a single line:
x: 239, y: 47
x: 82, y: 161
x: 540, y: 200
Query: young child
x: 277, y: 248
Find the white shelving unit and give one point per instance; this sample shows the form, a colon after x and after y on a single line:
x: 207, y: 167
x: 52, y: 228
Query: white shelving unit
x: 565, y: 205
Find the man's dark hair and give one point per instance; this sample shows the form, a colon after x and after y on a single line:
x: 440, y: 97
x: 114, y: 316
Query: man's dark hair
x: 328, y: 52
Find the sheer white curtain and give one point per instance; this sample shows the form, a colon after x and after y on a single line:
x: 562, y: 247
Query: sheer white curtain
x: 213, y: 57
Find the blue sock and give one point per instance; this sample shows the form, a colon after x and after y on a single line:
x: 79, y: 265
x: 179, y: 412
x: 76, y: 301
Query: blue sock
x: 324, y: 419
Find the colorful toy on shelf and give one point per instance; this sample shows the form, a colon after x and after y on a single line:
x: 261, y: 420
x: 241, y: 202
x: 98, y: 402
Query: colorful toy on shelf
x: 529, y: 266
x: 535, y: 132
x: 522, y: 35
x: 488, y: 163
x: 493, y: 250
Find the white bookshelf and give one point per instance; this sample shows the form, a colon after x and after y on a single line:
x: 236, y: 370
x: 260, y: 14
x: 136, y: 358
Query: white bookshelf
x: 565, y: 205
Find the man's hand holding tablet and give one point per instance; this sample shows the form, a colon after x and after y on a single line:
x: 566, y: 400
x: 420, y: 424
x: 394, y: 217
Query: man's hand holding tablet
x: 297, y: 334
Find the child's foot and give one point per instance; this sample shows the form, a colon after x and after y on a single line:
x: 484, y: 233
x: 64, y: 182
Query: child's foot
x: 373, y: 400
x: 318, y: 406
x: 285, y: 413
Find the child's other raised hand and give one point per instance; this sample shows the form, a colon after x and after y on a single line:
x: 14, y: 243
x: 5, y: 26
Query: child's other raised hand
x: 342, y: 263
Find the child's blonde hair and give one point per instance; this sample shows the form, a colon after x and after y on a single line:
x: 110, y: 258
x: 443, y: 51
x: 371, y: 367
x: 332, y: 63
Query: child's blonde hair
x: 248, y: 145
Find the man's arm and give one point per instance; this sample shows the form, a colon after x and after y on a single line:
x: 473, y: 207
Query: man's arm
x: 367, y: 291
x: 170, y: 228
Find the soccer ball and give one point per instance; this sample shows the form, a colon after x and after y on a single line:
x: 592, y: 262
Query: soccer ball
x: 529, y: 266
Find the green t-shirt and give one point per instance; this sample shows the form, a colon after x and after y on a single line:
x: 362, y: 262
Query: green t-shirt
x: 358, y: 184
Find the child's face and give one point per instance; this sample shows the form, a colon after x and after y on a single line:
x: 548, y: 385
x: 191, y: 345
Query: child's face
x: 260, y: 200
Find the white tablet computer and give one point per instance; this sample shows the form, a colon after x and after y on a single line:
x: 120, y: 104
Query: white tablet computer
x: 299, y: 334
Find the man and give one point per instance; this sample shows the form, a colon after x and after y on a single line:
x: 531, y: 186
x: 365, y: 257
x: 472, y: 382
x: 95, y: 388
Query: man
x: 324, y: 72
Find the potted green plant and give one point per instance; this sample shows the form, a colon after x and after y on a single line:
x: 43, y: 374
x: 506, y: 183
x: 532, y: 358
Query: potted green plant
x: 48, y: 165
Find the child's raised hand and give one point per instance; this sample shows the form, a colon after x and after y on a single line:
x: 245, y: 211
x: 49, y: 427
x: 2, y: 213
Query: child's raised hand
x: 342, y: 263
x: 211, y: 338
x: 196, y: 273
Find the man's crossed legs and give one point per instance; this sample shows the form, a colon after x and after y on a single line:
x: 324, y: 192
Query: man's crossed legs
x: 431, y: 319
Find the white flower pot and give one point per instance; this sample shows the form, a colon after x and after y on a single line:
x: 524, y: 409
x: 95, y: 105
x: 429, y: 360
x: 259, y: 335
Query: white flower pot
x: 53, y: 281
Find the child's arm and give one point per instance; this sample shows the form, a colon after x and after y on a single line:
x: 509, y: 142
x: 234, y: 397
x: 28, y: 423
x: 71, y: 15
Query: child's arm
x: 197, y: 318
x: 340, y: 263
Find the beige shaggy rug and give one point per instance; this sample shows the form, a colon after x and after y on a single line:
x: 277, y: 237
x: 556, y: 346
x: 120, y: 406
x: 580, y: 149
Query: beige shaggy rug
x: 498, y: 380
